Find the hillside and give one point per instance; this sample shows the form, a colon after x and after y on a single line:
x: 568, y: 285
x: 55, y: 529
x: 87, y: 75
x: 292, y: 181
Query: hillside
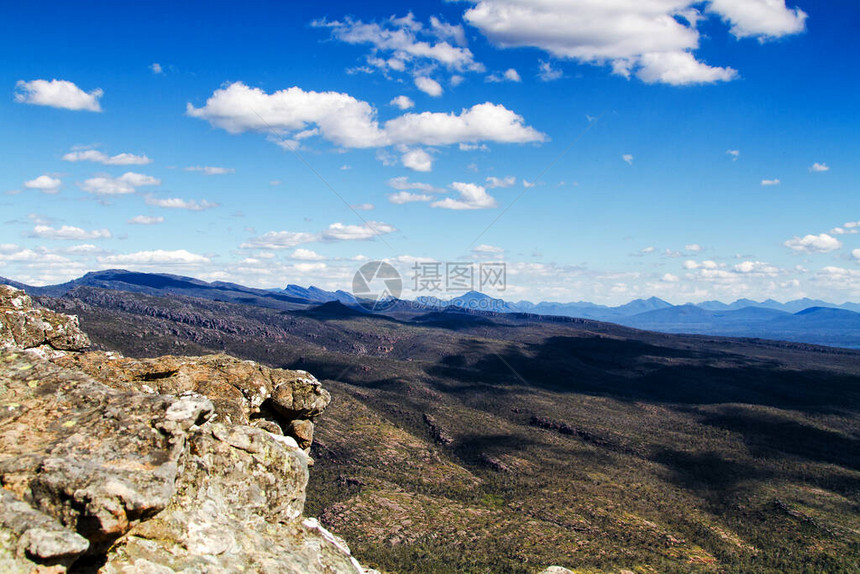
x: 473, y: 442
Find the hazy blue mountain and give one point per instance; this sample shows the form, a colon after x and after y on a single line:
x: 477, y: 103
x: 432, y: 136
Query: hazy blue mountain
x: 316, y: 294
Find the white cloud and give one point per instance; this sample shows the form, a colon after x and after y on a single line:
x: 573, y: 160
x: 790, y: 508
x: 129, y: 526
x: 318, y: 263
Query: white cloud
x: 757, y: 268
x: 279, y: 240
x: 403, y: 183
x: 351, y: 123
x: 402, y: 102
x: 370, y: 229
x: 528, y: 184
x: 494, y: 182
x: 417, y: 160
x: 856, y: 254
x: 647, y: 250
x: 308, y: 267
x: 509, y: 75
x: 155, y: 257
x: 306, y: 255
x: 707, y: 264
x: 819, y: 167
x: 178, y: 203
x: 156, y: 68
x: 57, y: 94
x: 103, y: 158
x: 210, y: 170
x: 734, y: 153
x: 429, y: 86
x: 654, y: 40
x: 669, y: 278
x: 481, y: 122
x: 145, y: 220
x: 124, y: 184
x: 767, y: 182
x: 627, y: 158
x: 760, y: 18
x: 693, y: 248
x: 67, y: 232
x: 546, y: 73
x: 822, y: 243
x: 399, y: 44
x: 485, y: 249
x: 45, y: 184
x: 362, y: 206
x: 472, y: 196
x: 402, y: 197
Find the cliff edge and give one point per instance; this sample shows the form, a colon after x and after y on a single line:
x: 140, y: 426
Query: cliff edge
x: 174, y: 464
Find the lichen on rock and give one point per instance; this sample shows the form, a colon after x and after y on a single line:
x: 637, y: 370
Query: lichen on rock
x: 172, y: 464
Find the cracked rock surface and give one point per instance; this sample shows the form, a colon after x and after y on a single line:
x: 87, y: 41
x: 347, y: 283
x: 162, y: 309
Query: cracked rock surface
x: 173, y: 464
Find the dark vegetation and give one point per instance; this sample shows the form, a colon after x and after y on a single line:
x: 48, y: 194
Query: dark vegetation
x: 469, y: 442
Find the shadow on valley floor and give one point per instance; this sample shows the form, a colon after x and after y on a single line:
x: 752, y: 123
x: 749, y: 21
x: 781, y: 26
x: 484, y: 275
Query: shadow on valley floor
x: 642, y: 372
x: 771, y: 435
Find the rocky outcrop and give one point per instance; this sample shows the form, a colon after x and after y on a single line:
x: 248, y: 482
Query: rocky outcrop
x: 174, y: 464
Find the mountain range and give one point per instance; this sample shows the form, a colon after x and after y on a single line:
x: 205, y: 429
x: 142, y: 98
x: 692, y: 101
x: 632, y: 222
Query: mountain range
x: 801, y: 320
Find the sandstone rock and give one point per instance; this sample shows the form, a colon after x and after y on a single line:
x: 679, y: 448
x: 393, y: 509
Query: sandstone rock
x: 127, y: 462
x: 95, y: 458
x: 35, y: 536
x: 303, y: 431
x: 23, y: 326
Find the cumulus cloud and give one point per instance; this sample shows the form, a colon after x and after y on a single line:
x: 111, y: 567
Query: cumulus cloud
x: 768, y: 182
x: 124, y: 184
x: 509, y: 75
x: 472, y: 196
x: 351, y: 123
x: 156, y: 68
x: 429, y: 86
x: 693, y: 248
x: 546, y: 73
x: 145, y: 220
x: 178, y: 203
x: 822, y: 243
x: 210, y: 170
x: 405, y: 44
x: 279, y: 240
x: 494, y: 182
x: 734, y: 153
x: 57, y: 94
x: 45, y: 184
x: 336, y: 232
x: 402, y: 102
x: 485, y: 249
x: 67, y: 232
x: 403, y: 183
x: 669, y: 278
x: 101, y: 157
x: 417, y: 160
x: 402, y: 197
x: 819, y: 167
x: 155, y: 257
x: 856, y: 254
x: 757, y: 268
x: 628, y: 158
x: 763, y: 19
x: 369, y: 230
x: 655, y: 40
x: 306, y: 255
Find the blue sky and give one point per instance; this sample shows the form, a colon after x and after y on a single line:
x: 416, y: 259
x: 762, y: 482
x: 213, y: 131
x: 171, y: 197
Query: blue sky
x: 688, y: 150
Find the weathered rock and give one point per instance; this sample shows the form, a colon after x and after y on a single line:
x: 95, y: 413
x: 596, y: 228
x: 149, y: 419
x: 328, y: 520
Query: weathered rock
x: 34, y: 537
x: 556, y: 570
x: 95, y: 458
x: 126, y: 460
x: 25, y: 327
x: 239, y: 389
x: 303, y: 431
